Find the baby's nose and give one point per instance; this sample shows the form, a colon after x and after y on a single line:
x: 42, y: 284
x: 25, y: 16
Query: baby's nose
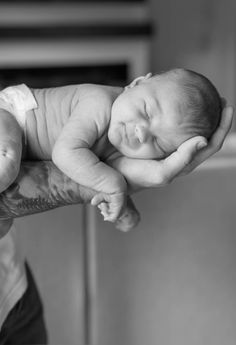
x: 142, y: 133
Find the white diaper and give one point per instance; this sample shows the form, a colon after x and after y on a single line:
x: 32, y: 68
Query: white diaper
x: 17, y: 100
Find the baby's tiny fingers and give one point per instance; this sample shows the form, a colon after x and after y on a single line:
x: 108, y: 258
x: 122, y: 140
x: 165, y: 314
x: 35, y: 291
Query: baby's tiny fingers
x: 103, y: 207
x: 100, y: 206
x: 109, y: 218
x: 97, y: 199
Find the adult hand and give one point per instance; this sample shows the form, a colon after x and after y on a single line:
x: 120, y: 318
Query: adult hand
x: 193, y: 151
x: 189, y: 155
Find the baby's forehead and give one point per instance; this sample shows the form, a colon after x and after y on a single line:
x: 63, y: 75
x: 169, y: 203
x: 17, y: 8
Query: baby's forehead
x: 168, y: 95
x: 166, y: 87
x: 175, y: 114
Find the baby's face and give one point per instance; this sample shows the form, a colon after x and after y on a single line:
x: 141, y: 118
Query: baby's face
x: 145, y: 121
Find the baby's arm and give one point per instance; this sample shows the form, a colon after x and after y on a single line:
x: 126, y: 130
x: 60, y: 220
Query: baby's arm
x: 73, y: 154
x: 10, y: 149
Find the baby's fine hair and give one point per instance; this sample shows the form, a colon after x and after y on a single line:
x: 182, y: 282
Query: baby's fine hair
x: 200, y: 101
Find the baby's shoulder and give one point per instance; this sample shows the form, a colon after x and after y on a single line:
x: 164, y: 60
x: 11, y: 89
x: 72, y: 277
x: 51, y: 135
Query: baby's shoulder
x: 94, y: 102
x: 96, y: 93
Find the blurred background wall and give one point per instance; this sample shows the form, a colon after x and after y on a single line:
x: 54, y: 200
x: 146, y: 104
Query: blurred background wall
x: 199, y: 35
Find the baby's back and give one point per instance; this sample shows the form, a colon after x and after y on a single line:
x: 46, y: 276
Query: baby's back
x: 55, y: 106
x: 45, y: 123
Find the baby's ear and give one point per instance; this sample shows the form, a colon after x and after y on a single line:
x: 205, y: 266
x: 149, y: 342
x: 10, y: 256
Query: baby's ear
x: 138, y: 80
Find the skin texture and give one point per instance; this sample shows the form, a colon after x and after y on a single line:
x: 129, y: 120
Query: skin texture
x: 40, y: 186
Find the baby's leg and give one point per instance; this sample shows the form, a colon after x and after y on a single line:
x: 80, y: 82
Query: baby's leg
x: 10, y: 149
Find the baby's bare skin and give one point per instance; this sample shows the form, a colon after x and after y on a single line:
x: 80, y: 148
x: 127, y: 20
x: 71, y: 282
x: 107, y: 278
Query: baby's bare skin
x: 45, y: 123
x: 61, y: 117
x: 55, y: 105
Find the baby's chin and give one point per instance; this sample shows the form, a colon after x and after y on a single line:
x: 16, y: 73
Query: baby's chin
x: 136, y: 154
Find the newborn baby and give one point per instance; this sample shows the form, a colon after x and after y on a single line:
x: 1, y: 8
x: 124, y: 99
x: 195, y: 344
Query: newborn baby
x: 103, y: 137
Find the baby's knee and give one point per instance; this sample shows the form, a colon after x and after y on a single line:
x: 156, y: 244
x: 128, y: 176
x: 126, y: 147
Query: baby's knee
x: 10, y: 158
x: 9, y: 171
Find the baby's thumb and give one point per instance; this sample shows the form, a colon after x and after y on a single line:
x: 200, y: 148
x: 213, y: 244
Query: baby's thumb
x: 97, y: 199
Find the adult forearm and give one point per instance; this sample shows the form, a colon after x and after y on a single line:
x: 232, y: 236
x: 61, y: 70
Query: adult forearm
x: 40, y: 186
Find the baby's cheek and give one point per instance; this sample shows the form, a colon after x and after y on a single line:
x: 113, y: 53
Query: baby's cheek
x: 114, y: 136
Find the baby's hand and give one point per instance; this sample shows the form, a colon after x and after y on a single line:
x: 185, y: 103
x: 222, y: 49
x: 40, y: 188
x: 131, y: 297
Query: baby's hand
x: 111, y: 205
x: 129, y: 218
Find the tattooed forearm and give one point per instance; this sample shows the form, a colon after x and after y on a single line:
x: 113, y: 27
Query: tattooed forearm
x: 40, y: 186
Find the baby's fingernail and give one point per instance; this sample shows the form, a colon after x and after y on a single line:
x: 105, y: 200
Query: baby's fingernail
x: 201, y: 144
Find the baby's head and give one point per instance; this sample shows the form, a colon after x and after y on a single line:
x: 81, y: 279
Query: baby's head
x: 153, y: 116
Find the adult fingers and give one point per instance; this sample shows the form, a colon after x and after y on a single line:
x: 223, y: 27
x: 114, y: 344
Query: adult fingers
x: 177, y: 161
x: 218, y: 137
x: 215, y: 142
x: 223, y: 102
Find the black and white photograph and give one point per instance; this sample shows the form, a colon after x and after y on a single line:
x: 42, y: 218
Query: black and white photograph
x: 117, y: 172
